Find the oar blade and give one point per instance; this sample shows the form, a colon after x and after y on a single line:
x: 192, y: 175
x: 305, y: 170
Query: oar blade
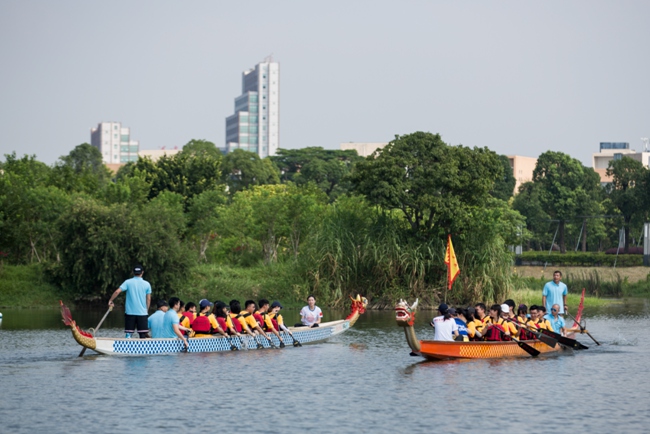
x: 548, y: 340
x: 527, y: 348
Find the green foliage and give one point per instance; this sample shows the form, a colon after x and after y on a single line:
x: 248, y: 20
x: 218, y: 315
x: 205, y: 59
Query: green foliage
x: 567, y: 188
x: 202, y: 147
x: 187, y: 174
x: 434, y: 185
x: 82, y: 170
x: 504, y: 186
x: 26, y: 286
x: 102, y: 243
x: 626, y: 191
x: 243, y: 169
x: 586, y: 259
x: 327, y: 169
x: 203, y: 214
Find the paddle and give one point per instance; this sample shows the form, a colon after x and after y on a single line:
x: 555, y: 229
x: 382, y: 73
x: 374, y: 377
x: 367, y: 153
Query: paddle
x: 546, y: 339
x: 97, y: 328
x: 564, y: 340
x: 524, y: 346
x: 296, y: 342
x: 582, y: 329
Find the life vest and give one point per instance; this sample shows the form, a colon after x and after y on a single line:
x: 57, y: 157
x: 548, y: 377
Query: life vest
x: 222, y: 323
x: 274, y: 321
x: 235, y: 322
x: 260, y: 320
x: 202, y: 325
x: 495, y: 333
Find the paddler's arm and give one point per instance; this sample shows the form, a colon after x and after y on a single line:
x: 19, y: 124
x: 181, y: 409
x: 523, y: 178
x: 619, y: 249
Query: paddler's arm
x: 260, y: 331
x: 269, y: 326
x: 177, y: 331
x: 116, y: 293
x: 148, y: 301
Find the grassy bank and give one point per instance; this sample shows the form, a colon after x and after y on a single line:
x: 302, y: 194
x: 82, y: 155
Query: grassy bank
x: 24, y: 286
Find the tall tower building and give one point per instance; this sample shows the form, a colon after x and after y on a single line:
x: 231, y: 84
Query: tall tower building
x: 255, y: 126
x: 114, y: 142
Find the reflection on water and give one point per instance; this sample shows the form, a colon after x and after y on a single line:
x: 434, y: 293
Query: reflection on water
x: 362, y: 381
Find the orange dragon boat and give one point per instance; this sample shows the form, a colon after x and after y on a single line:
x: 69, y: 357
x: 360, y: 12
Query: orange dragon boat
x: 439, y: 350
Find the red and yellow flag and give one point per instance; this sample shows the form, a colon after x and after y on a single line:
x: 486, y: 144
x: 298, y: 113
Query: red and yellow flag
x: 452, y: 263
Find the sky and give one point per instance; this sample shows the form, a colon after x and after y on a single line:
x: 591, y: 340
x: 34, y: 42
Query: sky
x: 517, y: 77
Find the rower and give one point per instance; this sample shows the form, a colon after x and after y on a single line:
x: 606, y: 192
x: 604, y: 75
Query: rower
x: 511, y: 306
x: 523, y: 320
x: 205, y: 324
x: 500, y: 329
x: 476, y: 325
x: 557, y: 322
x: 224, y: 319
x: 542, y: 321
x: 459, y: 316
x: 267, y: 323
x: 253, y: 325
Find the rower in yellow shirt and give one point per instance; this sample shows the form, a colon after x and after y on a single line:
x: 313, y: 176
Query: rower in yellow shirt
x: 205, y: 324
x: 247, y: 320
x: 263, y: 313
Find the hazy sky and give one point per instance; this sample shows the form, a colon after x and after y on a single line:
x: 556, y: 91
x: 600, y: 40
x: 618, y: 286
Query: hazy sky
x: 519, y: 77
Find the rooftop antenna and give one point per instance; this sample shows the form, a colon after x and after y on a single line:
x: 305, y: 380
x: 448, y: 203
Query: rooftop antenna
x: 646, y: 144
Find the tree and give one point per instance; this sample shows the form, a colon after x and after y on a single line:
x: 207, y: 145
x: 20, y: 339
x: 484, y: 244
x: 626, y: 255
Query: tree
x: 504, y: 186
x: 434, y: 185
x: 187, y: 174
x: 198, y: 147
x: 203, y: 214
x: 565, y: 188
x: 527, y: 203
x: 328, y: 169
x: 243, y: 169
x: 626, y: 190
x: 81, y: 170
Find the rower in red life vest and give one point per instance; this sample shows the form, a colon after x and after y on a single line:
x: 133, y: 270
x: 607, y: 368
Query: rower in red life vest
x: 539, y: 321
x: 187, y: 317
x: 248, y: 322
x: 523, y: 321
x: 224, y: 319
x: 205, y: 324
x: 499, y: 329
x: 267, y: 322
x: 278, y: 321
x: 480, y: 320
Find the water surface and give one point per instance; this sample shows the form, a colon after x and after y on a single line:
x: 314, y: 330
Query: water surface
x: 361, y: 381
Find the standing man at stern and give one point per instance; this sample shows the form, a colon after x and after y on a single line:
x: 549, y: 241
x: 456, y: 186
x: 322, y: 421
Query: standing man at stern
x: 138, y: 299
x: 555, y: 293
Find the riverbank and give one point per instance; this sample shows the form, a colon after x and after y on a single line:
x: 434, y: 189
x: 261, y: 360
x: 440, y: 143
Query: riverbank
x: 25, y: 286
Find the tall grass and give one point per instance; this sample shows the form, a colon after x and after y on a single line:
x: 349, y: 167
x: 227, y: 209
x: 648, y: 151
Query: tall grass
x: 26, y: 286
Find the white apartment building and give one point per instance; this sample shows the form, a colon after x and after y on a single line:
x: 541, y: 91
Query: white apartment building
x: 615, y: 151
x: 363, y: 149
x: 255, y: 126
x: 114, y: 142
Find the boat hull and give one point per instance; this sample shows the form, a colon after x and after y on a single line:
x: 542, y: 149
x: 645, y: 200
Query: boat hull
x: 439, y: 350
x: 218, y: 343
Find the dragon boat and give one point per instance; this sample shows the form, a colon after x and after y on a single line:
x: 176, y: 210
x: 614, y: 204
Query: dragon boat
x: 442, y: 350
x: 218, y: 343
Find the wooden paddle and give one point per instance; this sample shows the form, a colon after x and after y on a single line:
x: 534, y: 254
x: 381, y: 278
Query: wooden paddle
x: 524, y: 346
x: 296, y: 342
x: 551, y: 342
x: 582, y: 329
x: 97, y: 328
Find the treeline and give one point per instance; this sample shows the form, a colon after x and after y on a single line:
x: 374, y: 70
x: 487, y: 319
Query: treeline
x: 567, y: 209
x: 346, y: 224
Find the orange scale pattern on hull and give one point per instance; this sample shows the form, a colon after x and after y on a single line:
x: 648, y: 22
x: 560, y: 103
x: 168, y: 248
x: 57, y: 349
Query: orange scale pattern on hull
x: 479, y: 350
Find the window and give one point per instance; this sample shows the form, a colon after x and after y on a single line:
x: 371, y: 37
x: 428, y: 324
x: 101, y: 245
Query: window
x: 125, y: 138
x: 115, y: 127
x: 114, y: 146
x: 133, y: 149
x: 124, y: 148
x: 115, y: 136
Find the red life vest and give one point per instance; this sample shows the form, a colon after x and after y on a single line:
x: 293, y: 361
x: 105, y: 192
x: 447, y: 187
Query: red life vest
x: 259, y: 319
x: 222, y: 323
x: 202, y: 325
x: 235, y: 322
x: 494, y: 333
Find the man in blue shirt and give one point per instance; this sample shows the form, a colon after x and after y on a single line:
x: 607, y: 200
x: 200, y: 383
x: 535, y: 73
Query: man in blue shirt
x: 171, y: 323
x: 557, y: 322
x: 138, y: 299
x: 156, y: 319
x: 555, y: 293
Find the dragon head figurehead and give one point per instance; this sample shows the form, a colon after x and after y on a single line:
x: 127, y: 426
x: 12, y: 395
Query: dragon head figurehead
x: 405, y: 314
x: 357, y: 308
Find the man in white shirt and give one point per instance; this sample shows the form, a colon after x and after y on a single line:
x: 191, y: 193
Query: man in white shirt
x: 445, y: 326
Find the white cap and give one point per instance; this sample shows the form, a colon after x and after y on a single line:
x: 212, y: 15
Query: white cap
x: 505, y: 308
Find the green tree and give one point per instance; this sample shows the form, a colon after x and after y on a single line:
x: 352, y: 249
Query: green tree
x: 198, y: 147
x: 187, y: 174
x: 81, y: 170
x: 504, y: 186
x: 434, y: 185
x: 328, y: 169
x: 243, y: 169
x: 528, y: 204
x: 565, y: 188
x: 203, y: 215
x: 626, y: 190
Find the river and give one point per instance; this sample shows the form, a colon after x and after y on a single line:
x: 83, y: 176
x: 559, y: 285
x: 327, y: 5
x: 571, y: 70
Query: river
x: 361, y: 381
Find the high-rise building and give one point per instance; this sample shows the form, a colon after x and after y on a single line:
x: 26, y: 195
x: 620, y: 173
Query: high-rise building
x: 255, y: 126
x: 114, y: 142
